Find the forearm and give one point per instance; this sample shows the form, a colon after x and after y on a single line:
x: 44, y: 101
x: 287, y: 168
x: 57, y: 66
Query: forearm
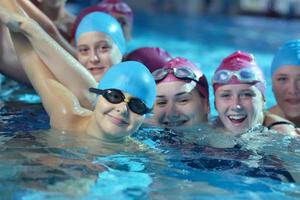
x: 10, y: 65
x: 64, y: 66
x: 46, y: 24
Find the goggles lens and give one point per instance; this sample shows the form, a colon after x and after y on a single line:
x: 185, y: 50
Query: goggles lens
x: 183, y: 73
x: 116, y: 96
x: 244, y: 75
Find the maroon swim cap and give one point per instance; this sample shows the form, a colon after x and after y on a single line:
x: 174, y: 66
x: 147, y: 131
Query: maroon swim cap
x: 152, y: 57
x: 179, y: 62
x: 117, y: 6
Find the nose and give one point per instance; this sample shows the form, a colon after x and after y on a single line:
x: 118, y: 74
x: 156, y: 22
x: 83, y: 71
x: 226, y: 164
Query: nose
x: 236, y: 104
x: 171, y: 112
x: 122, y: 108
x: 94, y: 57
x: 294, y: 86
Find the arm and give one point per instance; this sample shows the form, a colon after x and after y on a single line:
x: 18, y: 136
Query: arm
x: 10, y: 66
x: 65, y: 68
x: 282, y: 125
x: 61, y: 105
x: 46, y: 24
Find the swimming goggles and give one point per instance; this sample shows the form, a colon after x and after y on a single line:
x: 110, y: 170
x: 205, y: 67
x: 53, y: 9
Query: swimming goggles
x: 119, y: 7
x: 247, y: 75
x: 116, y: 96
x: 183, y: 73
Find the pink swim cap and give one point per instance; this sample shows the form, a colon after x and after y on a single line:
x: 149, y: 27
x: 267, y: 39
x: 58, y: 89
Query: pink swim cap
x: 179, y: 62
x: 117, y: 6
x: 235, y: 63
x: 152, y: 57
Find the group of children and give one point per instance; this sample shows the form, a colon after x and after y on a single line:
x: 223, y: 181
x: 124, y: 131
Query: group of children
x: 107, y: 94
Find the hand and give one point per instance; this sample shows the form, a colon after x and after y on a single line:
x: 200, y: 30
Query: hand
x: 10, y: 20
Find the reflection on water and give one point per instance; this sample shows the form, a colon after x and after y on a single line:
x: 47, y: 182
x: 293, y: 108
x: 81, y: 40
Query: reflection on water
x: 51, y: 164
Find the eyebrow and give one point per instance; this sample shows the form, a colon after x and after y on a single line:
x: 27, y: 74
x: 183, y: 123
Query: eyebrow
x: 181, y: 93
x: 176, y: 95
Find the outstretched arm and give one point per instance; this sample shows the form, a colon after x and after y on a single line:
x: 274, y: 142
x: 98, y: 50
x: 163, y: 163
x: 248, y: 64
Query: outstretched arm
x: 66, y: 69
x: 46, y: 24
x: 10, y: 66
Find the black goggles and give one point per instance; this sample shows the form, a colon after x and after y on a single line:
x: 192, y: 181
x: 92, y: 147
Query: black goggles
x: 116, y: 96
x: 183, y: 73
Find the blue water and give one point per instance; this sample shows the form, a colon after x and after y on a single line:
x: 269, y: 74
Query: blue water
x: 40, y: 164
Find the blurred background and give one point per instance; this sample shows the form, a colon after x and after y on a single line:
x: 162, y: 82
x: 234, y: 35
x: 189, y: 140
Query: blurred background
x: 271, y: 8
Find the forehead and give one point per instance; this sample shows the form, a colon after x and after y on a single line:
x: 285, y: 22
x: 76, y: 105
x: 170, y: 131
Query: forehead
x: 93, y: 37
x: 175, y: 87
x: 288, y: 70
x: 235, y: 88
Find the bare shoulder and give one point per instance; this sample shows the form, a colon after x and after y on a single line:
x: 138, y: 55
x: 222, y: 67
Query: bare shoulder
x: 276, y: 110
x: 67, y: 114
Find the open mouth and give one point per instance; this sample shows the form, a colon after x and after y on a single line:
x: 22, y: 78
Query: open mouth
x: 237, y: 119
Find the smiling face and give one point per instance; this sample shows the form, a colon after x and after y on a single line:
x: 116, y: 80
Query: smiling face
x: 116, y: 121
x: 286, y: 88
x: 179, y: 106
x: 240, y: 107
x: 97, y: 52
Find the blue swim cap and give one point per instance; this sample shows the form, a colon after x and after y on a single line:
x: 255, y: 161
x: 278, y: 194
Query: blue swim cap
x: 287, y: 54
x: 131, y: 77
x: 104, y: 23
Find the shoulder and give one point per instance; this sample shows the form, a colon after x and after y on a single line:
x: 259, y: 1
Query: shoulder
x: 66, y: 112
x: 276, y: 110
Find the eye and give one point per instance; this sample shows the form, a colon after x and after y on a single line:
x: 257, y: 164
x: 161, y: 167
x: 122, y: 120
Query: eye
x: 103, y: 48
x: 83, y: 50
x: 183, y: 100
x: 161, y: 102
x: 225, y: 95
x: 247, y: 95
x: 282, y: 79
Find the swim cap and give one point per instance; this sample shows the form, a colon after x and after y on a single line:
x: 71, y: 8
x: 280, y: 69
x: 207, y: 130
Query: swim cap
x: 152, y: 57
x: 287, y: 54
x: 117, y: 6
x: 131, y: 77
x: 91, y: 20
x: 179, y: 62
x: 237, y: 61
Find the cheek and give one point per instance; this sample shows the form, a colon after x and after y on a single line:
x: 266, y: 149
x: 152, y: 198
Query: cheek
x: 82, y: 59
x: 158, y: 112
x: 103, y: 107
x: 255, y: 107
x: 278, y: 88
x: 219, y: 105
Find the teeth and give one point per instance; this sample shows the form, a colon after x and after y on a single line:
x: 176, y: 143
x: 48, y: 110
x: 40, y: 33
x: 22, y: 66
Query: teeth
x: 236, y: 117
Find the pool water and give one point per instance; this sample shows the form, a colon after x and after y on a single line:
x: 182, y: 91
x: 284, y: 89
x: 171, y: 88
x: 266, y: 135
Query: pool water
x: 37, y: 163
